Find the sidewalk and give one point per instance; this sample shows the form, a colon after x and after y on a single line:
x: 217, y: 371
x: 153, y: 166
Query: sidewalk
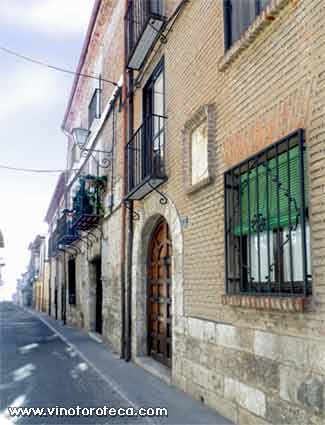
x: 133, y: 382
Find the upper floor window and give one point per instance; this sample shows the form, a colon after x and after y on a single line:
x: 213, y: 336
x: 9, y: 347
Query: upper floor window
x: 145, y: 151
x: 94, y: 108
x: 154, y: 120
x: 239, y: 15
x: 267, y: 222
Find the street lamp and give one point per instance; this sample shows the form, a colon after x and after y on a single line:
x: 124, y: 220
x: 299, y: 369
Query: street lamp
x: 80, y: 136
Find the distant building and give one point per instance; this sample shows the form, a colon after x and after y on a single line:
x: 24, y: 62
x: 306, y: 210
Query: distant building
x: 34, y: 270
x: 2, y: 245
x: 29, y: 286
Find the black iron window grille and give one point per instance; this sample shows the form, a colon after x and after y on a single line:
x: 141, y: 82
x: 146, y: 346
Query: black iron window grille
x: 239, y: 15
x: 94, y: 108
x: 72, y: 281
x: 267, y: 235
x: 145, y: 154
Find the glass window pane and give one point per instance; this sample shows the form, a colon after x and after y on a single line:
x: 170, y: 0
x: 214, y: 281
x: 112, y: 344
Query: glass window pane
x: 243, y: 13
x: 264, y: 3
x: 159, y: 95
x: 296, y: 238
x: 264, y: 267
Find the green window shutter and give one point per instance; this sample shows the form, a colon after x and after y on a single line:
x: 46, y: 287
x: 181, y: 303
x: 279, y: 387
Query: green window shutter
x: 254, y: 184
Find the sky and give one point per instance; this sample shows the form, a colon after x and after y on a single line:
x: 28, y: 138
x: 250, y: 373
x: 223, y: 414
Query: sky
x: 32, y: 105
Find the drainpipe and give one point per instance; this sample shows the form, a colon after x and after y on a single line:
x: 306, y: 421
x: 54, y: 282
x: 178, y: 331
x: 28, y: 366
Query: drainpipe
x: 128, y: 108
x: 130, y: 231
x: 50, y: 287
x: 64, y: 292
x: 123, y: 211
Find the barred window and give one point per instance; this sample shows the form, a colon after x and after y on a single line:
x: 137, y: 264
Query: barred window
x: 266, y: 222
x: 239, y: 15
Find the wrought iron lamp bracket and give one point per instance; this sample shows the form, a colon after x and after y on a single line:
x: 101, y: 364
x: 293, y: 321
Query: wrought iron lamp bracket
x: 104, y: 162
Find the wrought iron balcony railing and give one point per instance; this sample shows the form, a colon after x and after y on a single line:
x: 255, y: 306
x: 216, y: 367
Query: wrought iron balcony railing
x: 66, y: 235
x: 87, y: 204
x: 144, y: 22
x: 52, y: 245
x: 145, y: 158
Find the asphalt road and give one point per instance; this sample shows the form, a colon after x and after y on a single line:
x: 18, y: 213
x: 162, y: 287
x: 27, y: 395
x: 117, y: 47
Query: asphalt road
x: 37, y: 369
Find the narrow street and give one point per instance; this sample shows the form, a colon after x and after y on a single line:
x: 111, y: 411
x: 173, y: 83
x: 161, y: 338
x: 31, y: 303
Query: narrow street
x: 41, y: 368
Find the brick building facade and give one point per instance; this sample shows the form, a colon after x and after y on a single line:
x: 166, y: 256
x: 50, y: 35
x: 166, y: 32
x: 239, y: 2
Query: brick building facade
x: 213, y: 275
x: 255, y: 355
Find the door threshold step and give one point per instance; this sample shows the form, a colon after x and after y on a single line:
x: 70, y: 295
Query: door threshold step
x: 95, y: 336
x: 155, y: 368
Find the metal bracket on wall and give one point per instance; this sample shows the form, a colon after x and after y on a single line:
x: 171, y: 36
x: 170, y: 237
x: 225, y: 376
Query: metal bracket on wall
x: 104, y: 162
x: 163, y: 199
x: 68, y: 249
x: 93, y: 235
x: 85, y: 239
x: 75, y: 248
x: 163, y: 39
x: 135, y: 214
x: 61, y: 251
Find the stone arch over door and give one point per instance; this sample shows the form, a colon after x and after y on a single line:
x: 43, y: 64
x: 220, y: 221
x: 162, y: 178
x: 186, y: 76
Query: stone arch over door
x: 150, y: 215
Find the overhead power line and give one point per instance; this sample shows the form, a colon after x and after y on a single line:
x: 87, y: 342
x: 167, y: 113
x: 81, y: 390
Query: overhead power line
x: 30, y: 170
x: 56, y: 68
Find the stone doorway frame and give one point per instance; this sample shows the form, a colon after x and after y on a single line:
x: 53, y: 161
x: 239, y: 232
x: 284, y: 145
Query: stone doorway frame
x: 151, y: 212
x: 92, y: 291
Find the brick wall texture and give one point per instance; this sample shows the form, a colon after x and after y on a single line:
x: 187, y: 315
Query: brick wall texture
x: 253, y: 365
x: 257, y: 366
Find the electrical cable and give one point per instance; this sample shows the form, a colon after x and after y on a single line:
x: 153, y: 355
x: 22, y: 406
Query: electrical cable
x: 30, y: 170
x: 56, y: 68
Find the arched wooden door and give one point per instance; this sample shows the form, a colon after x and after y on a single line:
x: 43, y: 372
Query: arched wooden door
x: 160, y: 295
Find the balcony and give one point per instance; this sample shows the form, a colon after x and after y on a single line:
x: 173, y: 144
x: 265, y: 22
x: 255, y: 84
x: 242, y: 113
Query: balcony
x: 144, y: 23
x: 145, y: 158
x: 66, y: 235
x: 87, y: 204
x: 52, y: 246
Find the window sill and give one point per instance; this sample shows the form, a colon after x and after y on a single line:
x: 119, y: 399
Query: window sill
x: 198, y: 186
x: 263, y: 21
x: 268, y: 303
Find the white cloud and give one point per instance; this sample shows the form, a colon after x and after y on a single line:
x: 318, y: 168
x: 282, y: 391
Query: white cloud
x: 58, y: 18
x: 25, y: 89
